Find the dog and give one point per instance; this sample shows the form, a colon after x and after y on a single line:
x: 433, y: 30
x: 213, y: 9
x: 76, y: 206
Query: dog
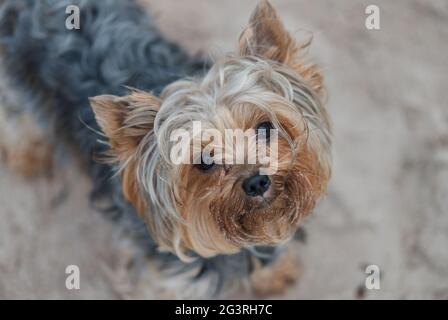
x: 115, y: 90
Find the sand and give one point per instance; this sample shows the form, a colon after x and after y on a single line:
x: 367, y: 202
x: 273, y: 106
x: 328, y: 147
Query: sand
x: 388, y: 198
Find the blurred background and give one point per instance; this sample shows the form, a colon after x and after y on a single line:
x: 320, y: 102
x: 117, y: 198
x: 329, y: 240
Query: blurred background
x: 387, y: 202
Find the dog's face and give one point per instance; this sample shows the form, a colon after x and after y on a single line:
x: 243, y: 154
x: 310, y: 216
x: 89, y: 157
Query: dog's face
x: 213, y: 207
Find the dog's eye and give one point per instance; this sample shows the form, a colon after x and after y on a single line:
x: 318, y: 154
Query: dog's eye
x: 206, y: 164
x: 264, y: 129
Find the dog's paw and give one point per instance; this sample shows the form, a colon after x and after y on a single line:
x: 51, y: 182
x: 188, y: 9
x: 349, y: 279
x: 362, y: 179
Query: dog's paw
x: 276, y: 278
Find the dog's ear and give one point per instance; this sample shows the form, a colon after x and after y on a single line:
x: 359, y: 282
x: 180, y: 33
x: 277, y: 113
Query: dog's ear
x: 266, y: 37
x: 125, y: 120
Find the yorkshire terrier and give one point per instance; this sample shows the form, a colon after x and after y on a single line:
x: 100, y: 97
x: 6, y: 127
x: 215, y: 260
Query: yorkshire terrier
x: 117, y: 87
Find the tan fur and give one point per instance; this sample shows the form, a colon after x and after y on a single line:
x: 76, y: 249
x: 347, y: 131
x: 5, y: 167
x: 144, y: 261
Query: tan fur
x: 208, y: 212
x: 125, y: 121
x: 267, y: 37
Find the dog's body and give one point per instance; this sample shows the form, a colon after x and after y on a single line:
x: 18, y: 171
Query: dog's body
x: 57, y: 70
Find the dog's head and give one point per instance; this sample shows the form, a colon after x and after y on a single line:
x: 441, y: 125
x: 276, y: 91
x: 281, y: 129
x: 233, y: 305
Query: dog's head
x: 213, y: 206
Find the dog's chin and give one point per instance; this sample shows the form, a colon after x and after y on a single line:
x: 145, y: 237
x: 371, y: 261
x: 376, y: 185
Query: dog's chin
x: 266, y: 220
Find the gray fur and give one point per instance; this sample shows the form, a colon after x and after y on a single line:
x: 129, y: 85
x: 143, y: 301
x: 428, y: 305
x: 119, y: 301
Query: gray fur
x: 57, y: 69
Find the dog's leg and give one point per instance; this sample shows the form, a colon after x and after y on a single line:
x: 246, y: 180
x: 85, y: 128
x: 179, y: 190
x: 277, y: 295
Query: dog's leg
x: 24, y: 146
x: 275, y: 278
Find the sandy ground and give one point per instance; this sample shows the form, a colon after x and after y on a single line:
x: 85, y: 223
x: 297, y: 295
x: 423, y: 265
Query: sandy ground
x: 388, y: 199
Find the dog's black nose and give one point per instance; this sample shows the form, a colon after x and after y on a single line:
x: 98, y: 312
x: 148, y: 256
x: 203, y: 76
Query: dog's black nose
x: 256, y: 185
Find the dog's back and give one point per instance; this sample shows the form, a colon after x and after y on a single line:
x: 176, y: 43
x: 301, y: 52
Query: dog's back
x: 116, y: 46
x: 53, y: 71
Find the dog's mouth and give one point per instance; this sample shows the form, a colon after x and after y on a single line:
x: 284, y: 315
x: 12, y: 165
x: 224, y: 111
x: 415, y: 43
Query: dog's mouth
x: 272, y: 207
x: 266, y: 219
x: 263, y: 202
